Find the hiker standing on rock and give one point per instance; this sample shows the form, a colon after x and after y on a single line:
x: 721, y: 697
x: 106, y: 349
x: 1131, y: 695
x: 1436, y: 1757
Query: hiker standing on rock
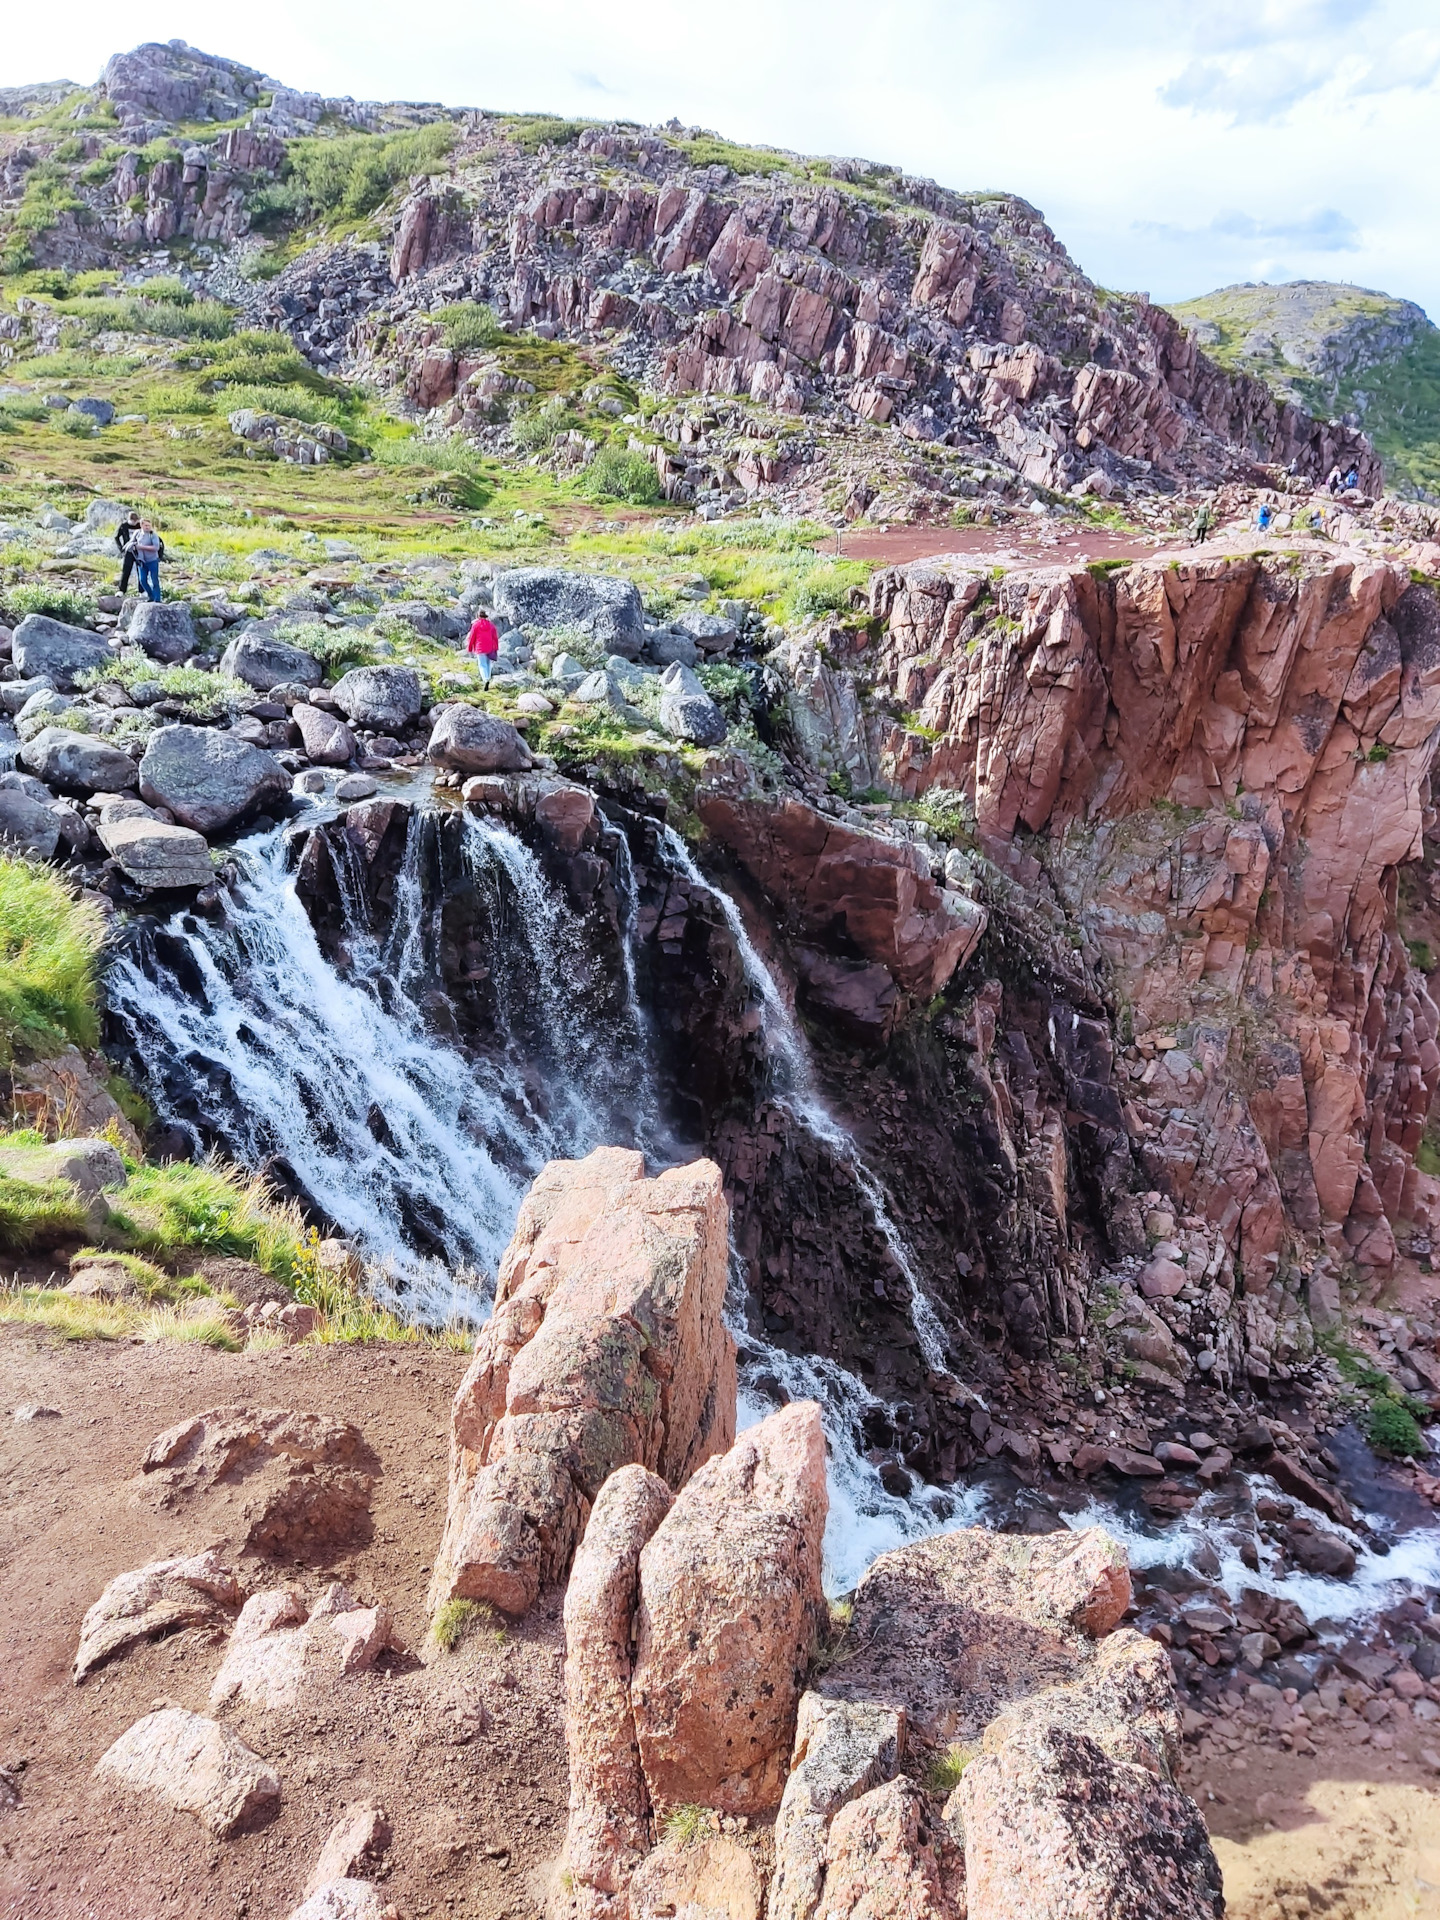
x: 148, y: 550
x: 484, y: 643
x: 1204, y: 520
x: 124, y: 534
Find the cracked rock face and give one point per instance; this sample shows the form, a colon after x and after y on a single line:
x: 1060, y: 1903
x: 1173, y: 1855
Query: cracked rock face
x: 606, y: 1348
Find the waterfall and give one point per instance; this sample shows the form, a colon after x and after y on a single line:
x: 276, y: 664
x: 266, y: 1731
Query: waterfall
x: 418, y: 1151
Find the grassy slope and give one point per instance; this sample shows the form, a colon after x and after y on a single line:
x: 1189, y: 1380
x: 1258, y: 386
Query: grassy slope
x: 1397, y: 398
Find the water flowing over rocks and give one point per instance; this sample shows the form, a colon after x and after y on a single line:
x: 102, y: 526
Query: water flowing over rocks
x: 606, y: 1347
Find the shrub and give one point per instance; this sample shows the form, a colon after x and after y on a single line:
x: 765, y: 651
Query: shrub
x: 622, y: 473
x: 61, y: 603
x: 275, y: 202
x: 537, y: 427
x: 49, y: 941
x: 468, y: 325
x: 22, y: 409
x: 825, y: 590
x: 333, y: 647
x: 1392, y: 1428
x: 531, y: 131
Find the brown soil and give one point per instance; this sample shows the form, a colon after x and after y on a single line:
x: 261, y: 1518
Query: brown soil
x: 465, y: 1751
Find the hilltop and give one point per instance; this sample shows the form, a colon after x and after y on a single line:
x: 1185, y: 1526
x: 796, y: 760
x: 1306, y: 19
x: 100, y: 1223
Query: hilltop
x: 1338, y: 350
x: 552, y: 294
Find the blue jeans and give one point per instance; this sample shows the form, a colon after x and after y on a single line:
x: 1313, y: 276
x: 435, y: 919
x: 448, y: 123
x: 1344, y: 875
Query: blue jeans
x: 149, y: 574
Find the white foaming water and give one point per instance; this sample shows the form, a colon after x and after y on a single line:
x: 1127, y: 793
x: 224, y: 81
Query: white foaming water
x: 288, y: 1058
x: 1379, y: 1580
x: 796, y: 1091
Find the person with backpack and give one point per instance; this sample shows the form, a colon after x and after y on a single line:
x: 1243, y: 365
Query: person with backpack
x: 124, y: 534
x: 148, y: 550
x: 484, y: 644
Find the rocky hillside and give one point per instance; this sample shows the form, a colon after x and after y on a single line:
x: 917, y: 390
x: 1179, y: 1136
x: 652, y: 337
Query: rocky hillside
x: 860, y: 337
x: 1338, y: 351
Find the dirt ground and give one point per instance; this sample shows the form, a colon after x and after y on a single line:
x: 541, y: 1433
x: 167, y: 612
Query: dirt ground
x: 465, y: 1751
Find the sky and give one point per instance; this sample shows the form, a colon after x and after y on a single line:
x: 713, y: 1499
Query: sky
x: 1174, y: 146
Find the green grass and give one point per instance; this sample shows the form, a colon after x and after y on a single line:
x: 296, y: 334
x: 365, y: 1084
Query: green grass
x: 467, y: 326
x: 210, y: 1207
x: 683, y: 1826
x: 459, y: 1620
x: 945, y: 1771
x: 49, y: 941
x: 621, y: 473
x: 39, y: 1213
x: 531, y: 131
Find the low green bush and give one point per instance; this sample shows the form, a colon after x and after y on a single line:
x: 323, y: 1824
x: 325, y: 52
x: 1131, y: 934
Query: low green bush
x: 468, y: 325
x: 1392, y: 1428
x: 61, y: 603
x: 622, y: 473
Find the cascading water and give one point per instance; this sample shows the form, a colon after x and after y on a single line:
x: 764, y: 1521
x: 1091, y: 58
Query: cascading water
x: 243, y: 1031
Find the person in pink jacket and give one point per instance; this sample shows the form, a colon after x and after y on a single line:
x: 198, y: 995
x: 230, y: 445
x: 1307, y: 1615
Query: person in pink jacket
x: 484, y: 643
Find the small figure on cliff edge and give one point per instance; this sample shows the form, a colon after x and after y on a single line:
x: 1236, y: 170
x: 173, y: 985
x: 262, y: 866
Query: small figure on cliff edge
x: 1204, y: 521
x: 148, y: 550
x: 484, y: 643
x: 1264, y: 516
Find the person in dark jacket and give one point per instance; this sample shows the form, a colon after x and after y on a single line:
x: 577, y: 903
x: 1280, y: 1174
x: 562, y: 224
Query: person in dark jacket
x: 124, y: 534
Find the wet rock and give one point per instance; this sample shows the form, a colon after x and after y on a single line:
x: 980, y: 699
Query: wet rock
x: 825, y: 875
x: 842, y: 1750
x: 156, y: 855
x: 281, y: 1650
x: 153, y: 1601
x: 386, y: 698
x: 28, y: 825
x: 730, y: 1603
x: 165, y: 629
x: 305, y: 1479
x: 546, y: 597
x: 1055, y: 1829
x: 1300, y: 1485
x: 207, y: 779
x: 55, y: 651
x: 609, y: 1829
x: 469, y: 740
x: 1170, y: 1453
x: 1133, y: 1464
x: 196, y: 1766
x: 1320, y: 1552
x: 75, y: 763
x: 354, y: 1846
x: 327, y: 741
x: 356, y: 786
x: 263, y: 662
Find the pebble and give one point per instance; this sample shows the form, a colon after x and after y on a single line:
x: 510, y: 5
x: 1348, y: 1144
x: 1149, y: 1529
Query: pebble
x: 356, y: 786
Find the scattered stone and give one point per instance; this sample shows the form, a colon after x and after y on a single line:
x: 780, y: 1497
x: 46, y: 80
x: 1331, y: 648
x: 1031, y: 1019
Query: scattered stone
x: 388, y: 697
x: 196, y: 1766
x: 158, y: 856
x: 77, y: 764
x: 165, y: 629
x: 28, y: 824
x: 35, y: 1410
x: 280, y: 1649
x: 354, y: 1846
x: 327, y: 741
x: 345, y: 1900
x: 153, y: 1601
x: 264, y: 662
x: 469, y: 740
x: 55, y: 651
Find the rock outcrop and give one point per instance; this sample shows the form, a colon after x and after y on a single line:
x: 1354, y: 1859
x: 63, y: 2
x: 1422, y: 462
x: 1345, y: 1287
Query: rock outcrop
x: 155, y: 1600
x: 196, y: 1766
x: 606, y: 1348
x: 1225, y: 762
x: 283, y: 1647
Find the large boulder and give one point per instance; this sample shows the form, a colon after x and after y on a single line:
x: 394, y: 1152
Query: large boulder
x: 209, y: 779
x: 196, y: 1766
x: 1057, y: 1829
x: 165, y: 629
x: 57, y: 651
x: 607, y: 1347
x: 345, y: 1900
x: 27, y: 824
x: 195, y: 1590
x: 687, y: 711
x: 826, y: 876
x: 730, y: 1609
x: 327, y: 741
x: 157, y: 855
x: 469, y: 740
x: 261, y: 661
x: 387, y: 698
x: 77, y: 764
x: 607, y: 609
x: 609, y: 1829
x: 711, y: 632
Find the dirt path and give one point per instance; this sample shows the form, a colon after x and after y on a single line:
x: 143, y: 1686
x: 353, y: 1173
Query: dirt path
x: 1011, y: 545
x: 465, y: 1751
